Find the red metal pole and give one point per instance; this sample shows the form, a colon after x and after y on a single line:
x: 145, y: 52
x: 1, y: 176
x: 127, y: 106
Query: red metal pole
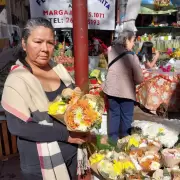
x: 80, y: 38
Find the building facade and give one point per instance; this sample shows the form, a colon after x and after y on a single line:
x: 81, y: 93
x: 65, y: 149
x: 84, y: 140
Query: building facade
x: 18, y: 12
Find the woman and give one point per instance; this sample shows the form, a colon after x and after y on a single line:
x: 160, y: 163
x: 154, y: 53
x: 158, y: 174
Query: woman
x: 123, y: 75
x: 145, y: 56
x: 47, y: 150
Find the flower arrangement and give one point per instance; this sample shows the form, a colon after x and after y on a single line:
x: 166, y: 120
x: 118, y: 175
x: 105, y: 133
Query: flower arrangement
x: 96, y: 47
x: 115, y: 166
x: 138, y: 157
x: 85, y: 114
x: 79, y: 112
x: 171, y: 157
x: 167, y: 68
x: 162, y: 3
x: 166, y: 135
x: 58, y: 107
x: 175, y: 54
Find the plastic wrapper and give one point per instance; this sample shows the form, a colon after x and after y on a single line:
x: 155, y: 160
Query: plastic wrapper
x: 171, y: 157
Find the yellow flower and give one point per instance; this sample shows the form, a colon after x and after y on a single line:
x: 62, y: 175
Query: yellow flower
x: 57, y: 108
x: 78, y: 115
x: 118, y: 167
x: 127, y: 165
x: 95, y: 158
x: 60, y: 46
x: 92, y: 104
x: 161, y: 130
x: 132, y: 142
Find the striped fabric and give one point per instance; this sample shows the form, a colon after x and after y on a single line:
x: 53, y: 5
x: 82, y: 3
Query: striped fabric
x: 24, y: 97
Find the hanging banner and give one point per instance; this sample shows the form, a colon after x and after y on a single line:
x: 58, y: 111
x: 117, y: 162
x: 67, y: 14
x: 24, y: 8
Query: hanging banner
x: 101, y: 13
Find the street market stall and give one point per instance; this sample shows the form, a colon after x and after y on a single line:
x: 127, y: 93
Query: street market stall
x: 153, y: 150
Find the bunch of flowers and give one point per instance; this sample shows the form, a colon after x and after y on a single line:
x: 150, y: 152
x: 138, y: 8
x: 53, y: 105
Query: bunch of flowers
x: 175, y: 54
x: 58, y: 107
x: 136, y: 157
x: 115, y: 166
x: 166, y: 135
x: 162, y: 3
x: 168, y: 68
x: 96, y: 47
x: 85, y: 114
x: 171, y: 157
x: 79, y: 112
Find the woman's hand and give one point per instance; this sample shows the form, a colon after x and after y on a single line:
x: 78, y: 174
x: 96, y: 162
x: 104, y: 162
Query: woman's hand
x: 157, y: 54
x: 80, y: 138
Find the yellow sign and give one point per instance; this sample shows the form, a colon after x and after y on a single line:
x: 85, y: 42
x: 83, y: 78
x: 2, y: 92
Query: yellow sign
x: 2, y: 2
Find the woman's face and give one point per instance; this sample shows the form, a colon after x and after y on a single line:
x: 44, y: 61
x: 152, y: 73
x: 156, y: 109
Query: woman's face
x: 130, y: 43
x: 39, y: 46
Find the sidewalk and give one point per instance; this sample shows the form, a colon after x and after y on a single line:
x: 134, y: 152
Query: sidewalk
x: 10, y: 170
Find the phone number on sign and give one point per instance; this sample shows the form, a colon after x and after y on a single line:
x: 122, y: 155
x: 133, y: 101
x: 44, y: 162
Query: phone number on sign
x: 70, y: 20
x: 90, y: 21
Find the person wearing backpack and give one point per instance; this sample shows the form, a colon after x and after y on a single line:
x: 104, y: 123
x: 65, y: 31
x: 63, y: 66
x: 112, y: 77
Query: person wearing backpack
x: 124, y: 73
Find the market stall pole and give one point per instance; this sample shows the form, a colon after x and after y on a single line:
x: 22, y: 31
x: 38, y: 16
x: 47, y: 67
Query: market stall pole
x: 80, y: 37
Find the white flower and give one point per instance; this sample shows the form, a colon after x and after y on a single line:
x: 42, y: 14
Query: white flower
x: 164, y: 96
x: 167, y: 178
x: 146, y: 74
x: 92, y: 104
x: 171, y: 78
x: 160, y: 82
x: 155, y: 99
x: 155, y: 166
x: 142, y: 145
x: 152, y: 90
x: 78, y: 115
x: 173, y: 86
x: 82, y: 128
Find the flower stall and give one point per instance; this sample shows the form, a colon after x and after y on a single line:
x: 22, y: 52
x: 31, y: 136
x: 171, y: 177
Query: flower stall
x: 151, y: 152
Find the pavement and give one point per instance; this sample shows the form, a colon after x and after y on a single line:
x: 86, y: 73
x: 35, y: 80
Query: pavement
x: 10, y: 169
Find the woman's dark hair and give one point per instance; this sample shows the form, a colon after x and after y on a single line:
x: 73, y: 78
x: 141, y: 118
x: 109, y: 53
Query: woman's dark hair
x: 123, y: 36
x: 29, y: 27
x: 146, y: 50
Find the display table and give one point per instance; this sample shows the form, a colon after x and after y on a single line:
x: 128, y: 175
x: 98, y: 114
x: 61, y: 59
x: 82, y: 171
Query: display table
x: 158, y: 88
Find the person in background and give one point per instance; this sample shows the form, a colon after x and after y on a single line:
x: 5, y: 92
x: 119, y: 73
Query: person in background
x: 15, y: 38
x: 7, y: 59
x: 146, y: 57
x: 122, y: 77
x: 47, y: 149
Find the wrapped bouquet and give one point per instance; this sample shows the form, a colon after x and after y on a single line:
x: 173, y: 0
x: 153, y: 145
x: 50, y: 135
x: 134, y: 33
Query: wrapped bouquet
x: 58, y: 107
x: 78, y: 112
x: 166, y: 134
x: 171, y: 157
x: 112, y: 165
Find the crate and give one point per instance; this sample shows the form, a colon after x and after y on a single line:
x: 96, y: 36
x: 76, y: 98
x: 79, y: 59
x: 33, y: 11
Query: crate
x: 8, y: 142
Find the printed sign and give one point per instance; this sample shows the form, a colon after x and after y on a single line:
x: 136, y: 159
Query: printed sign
x: 101, y: 13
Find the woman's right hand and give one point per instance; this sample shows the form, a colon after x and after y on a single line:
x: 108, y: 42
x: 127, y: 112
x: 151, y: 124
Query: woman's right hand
x: 157, y: 54
x: 78, y: 137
